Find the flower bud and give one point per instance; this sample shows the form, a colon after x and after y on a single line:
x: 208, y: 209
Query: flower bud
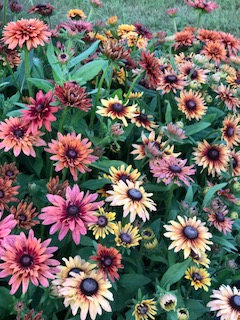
x: 182, y: 314
x: 231, y: 264
x: 209, y: 99
x: 234, y: 215
x: 168, y: 301
x: 15, y: 6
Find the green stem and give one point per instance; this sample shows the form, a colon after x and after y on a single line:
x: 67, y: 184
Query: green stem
x: 27, y: 71
x: 5, y: 12
x: 93, y: 113
x: 64, y: 174
x: 159, y: 107
x: 90, y: 14
x: 174, y: 25
x: 168, y: 202
x: 67, y: 314
x: 61, y: 121
x: 131, y: 87
x: 12, y: 74
x: 199, y: 19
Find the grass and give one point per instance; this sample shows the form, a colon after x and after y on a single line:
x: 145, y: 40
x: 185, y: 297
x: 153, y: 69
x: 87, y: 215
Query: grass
x: 152, y: 13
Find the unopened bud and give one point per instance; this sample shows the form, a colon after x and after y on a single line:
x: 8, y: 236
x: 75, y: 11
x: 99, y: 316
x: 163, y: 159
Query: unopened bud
x: 234, y: 215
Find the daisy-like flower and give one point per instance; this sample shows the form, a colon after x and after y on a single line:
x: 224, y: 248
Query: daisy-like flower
x: 190, y: 72
x: 73, y: 152
x: 126, y: 236
x: 192, y: 104
x: 141, y: 119
x: 214, y: 157
x: 170, y: 81
x: 231, y: 130
x: 123, y: 174
x: 76, y: 14
x: 145, y: 310
x: 76, y: 265
x: 133, y: 198
x: 201, y: 259
x: 219, y: 220
x: 115, y: 109
x: 6, y: 226
x: 228, y: 97
x: 215, y: 51
x: 54, y: 187
x: 189, y: 234
x: 226, y: 302
x: 234, y: 80
x: 208, y: 35
x: 27, y: 259
x: 235, y: 162
x: 74, y: 213
x: 16, y: 135
x: 24, y: 214
x: 11, y: 57
x: 174, y: 132
x: 151, y: 65
x: 202, y: 5
x: 7, y: 193
x: 199, y: 277
x: 40, y: 112
x: 184, y: 38
x: 71, y: 94
x: 44, y: 10
x: 124, y: 29
x: 143, y: 31
x: 89, y: 292
x: 168, y: 302
x: 104, y: 225
x: 9, y: 171
x: 29, y: 32
x: 172, y: 170
x: 232, y: 44
x: 108, y: 262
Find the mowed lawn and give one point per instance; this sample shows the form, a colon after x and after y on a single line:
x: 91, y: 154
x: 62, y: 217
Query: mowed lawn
x: 152, y: 13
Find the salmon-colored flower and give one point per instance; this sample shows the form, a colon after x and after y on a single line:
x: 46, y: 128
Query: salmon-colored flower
x: 228, y: 96
x: 16, y: 135
x: 29, y: 32
x: 183, y: 39
x: 151, y: 65
x: 9, y: 171
x: 27, y: 259
x: 215, y: 51
x: 6, y: 225
x: 7, y: 193
x: 202, y: 5
x: 24, y: 214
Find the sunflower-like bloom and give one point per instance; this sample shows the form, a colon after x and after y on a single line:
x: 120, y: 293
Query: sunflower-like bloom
x: 115, y: 109
x: 189, y: 234
x: 71, y: 152
x: 104, y: 225
x: 76, y: 14
x: 226, y: 303
x: 29, y: 32
x: 232, y: 44
x: 27, y: 259
x: 201, y: 259
x: 214, y: 157
x: 170, y: 81
x: 127, y: 236
x: 141, y: 119
x: 124, y: 29
x: 89, y: 292
x: 199, y: 277
x: 123, y: 174
x: 24, y: 214
x: 202, y: 5
x: 219, y: 220
x: 234, y: 80
x: 54, y: 187
x: 7, y: 193
x: 228, y: 97
x: 192, y: 104
x: 235, y: 162
x: 74, y: 214
x: 168, y: 301
x: 184, y: 38
x: 190, y: 72
x: 16, y: 135
x: 208, y: 35
x: 231, y: 130
x: 145, y: 310
x: 108, y: 262
x: 6, y: 225
x: 151, y: 65
x: 133, y: 198
x: 172, y: 170
x: 75, y: 265
x: 9, y: 171
x: 215, y: 51
x: 11, y: 57
x: 40, y: 112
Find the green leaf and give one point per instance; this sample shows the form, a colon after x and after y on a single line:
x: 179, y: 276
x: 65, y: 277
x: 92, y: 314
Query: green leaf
x: 41, y: 84
x: 224, y: 243
x: 174, y: 273
x: 211, y: 192
x: 89, y: 70
x: 56, y: 69
x: 7, y: 300
x: 189, y: 195
x: 94, y: 184
x: 82, y: 56
x: 196, y: 308
x: 133, y: 280
x: 196, y: 127
x: 168, y: 116
x: 106, y: 164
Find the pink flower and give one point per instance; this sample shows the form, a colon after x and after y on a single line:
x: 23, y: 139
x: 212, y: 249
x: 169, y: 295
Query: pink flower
x: 40, y: 112
x: 27, y: 259
x: 172, y: 11
x: 6, y: 225
x: 74, y: 214
x: 202, y: 4
x: 172, y: 170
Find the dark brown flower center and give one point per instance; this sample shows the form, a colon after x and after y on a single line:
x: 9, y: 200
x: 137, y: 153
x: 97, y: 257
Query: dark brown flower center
x: 39, y: 108
x: 175, y: 168
x: 147, y: 233
x: 124, y: 177
x: 89, y: 286
x: 168, y: 303
x: 22, y: 217
x: 75, y: 270
x: 19, y: 133
x: 181, y: 311
x: 194, y: 74
x: 26, y: 260
x: 9, y: 173
x: 1, y: 194
x: 196, y: 276
x: 143, y: 117
x: 220, y: 216
x: 213, y: 154
x: 71, y: 154
x: 234, y: 162
x: 102, y: 221
x: 156, y: 145
x: 134, y: 194
x: 235, y: 302
x: 107, y: 261
x: 125, y: 237
x: 108, y: 187
x: 230, y: 131
x: 171, y: 78
x: 117, y: 107
x: 142, y: 309
x: 190, y: 232
x: 237, y: 81
x: 191, y: 104
x: 73, y: 210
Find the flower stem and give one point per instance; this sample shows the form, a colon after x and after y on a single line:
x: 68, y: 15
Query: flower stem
x: 27, y: 72
x: 63, y: 117
x: 5, y: 12
x: 174, y: 25
x: 90, y: 14
x: 131, y: 87
x: 199, y: 19
x: 168, y: 202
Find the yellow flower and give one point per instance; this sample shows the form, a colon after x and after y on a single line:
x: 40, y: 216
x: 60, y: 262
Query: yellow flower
x: 145, y: 310
x: 199, y: 277
x: 76, y: 14
x: 126, y: 236
x: 104, y: 225
x: 112, y: 20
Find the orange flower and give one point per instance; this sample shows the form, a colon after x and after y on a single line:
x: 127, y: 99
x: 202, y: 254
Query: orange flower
x: 71, y: 152
x: 183, y: 39
x: 7, y: 193
x: 215, y: 50
x: 32, y: 32
x: 231, y: 131
x: 171, y: 81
